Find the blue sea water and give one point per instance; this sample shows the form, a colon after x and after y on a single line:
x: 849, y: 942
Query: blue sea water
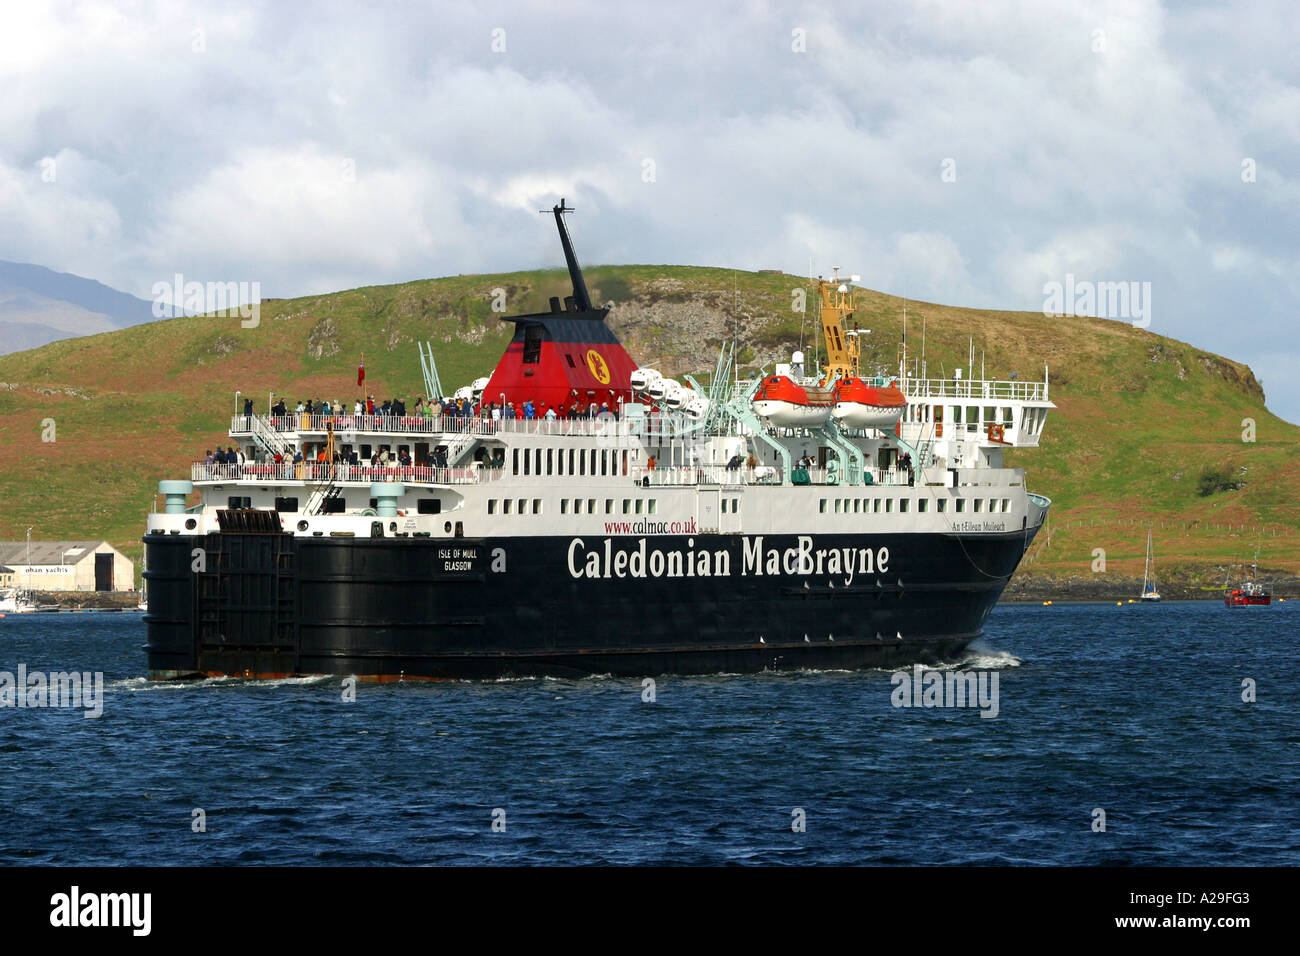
x: 1136, y: 710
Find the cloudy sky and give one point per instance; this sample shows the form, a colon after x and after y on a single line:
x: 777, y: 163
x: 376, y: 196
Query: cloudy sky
x: 960, y: 152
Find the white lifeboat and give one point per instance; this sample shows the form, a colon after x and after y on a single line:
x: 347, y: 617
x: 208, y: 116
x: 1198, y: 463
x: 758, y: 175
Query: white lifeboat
x: 859, y: 405
x: 642, y: 378
x: 784, y: 403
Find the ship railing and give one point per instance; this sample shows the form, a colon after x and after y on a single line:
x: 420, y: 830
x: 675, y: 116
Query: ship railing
x: 666, y: 426
x: 312, y: 471
x: 760, y: 475
x: 975, y: 389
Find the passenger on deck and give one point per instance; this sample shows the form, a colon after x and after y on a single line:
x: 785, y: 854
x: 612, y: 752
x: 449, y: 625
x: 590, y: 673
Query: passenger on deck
x: 735, y: 463
x: 550, y: 414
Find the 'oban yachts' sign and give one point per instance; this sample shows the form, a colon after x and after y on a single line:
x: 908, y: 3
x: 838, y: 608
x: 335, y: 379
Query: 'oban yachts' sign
x: 641, y: 561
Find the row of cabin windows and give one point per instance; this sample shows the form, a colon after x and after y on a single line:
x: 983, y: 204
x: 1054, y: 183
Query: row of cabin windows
x: 519, y: 506
x: 959, y: 414
x: 332, y: 506
x: 569, y: 461
x: 575, y: 506
x: 874, y: 505
x: 972, y: 416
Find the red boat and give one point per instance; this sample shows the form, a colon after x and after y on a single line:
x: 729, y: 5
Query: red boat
x: 1249, y: 594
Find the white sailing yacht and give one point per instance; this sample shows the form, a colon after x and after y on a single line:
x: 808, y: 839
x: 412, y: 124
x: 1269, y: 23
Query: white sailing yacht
x: 1149, y: 592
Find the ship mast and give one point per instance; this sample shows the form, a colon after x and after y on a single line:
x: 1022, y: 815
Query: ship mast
x: 580, y: 295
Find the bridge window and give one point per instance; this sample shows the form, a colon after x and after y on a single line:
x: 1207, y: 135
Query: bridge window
x: 532, y: 344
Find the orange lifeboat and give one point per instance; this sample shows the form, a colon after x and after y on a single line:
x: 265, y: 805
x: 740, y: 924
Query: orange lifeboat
x: 859, y: 405
x: 783, y: 402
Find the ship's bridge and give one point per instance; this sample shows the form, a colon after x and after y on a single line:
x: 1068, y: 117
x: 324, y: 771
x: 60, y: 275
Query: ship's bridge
x: 968, y: 422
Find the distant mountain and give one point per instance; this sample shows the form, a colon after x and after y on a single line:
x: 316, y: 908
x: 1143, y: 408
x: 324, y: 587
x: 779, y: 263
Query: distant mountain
x: 39, y: 305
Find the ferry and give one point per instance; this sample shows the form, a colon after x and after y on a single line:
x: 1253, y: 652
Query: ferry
x: 635, y: 525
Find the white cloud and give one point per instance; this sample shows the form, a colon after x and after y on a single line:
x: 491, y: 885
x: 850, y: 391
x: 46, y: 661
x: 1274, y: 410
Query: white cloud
x: 208, y: 139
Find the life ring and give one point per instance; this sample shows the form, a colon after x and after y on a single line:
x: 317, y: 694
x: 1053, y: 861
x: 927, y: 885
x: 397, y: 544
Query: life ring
x: 938, y: 429
x: 996, y: 431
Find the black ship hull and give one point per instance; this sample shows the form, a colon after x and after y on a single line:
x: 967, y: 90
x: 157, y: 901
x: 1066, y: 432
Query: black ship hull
x: 274, y: 605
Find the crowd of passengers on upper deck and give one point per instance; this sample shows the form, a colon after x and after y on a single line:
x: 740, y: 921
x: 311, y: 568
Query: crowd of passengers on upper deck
x: 395, y: 408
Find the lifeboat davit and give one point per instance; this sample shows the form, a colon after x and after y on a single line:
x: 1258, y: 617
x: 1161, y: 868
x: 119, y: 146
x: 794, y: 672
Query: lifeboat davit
x: 783, y: 402
x: 859, y: 405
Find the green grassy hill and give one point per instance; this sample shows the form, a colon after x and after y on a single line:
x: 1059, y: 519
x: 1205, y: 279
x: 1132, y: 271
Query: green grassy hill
x: 1140, y: 416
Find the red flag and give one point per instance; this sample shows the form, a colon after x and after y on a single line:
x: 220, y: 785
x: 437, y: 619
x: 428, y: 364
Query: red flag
x: 361, y: 373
